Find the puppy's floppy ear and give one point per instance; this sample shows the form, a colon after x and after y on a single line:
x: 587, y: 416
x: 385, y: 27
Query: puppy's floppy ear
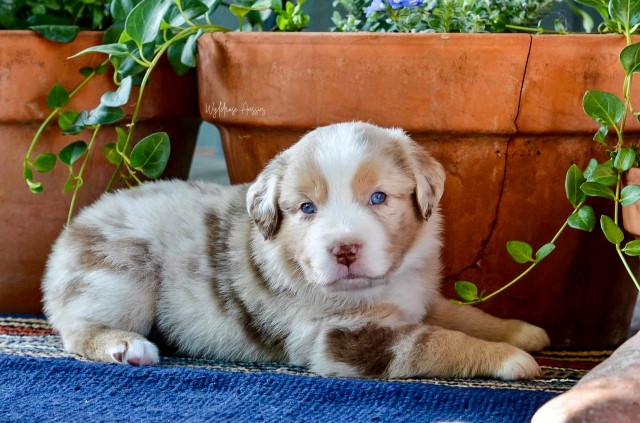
x: 430, y: 179
x: 428, y: 172
x: 262, y: 197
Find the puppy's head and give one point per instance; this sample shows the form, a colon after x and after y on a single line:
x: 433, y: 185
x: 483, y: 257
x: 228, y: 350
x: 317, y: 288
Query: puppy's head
x: 346, y: 203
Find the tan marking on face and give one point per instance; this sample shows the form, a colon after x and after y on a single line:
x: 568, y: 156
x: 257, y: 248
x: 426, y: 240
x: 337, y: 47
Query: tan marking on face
x: 311, y: 182
x: 366, y: 179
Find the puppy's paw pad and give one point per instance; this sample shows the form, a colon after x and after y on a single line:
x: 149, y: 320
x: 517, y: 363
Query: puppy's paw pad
x: 137, y: 352
x: 518, y: 365
x: 529, y: 337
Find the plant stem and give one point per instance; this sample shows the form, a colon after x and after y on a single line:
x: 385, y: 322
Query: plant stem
x: 626, y: 265
x: 185, y: 33
x: 79, y: 179
x: 534, y: 264
x: 534, y: 30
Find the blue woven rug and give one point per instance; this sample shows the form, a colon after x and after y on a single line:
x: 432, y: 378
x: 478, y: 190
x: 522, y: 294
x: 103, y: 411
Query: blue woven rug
x: 39, y: 382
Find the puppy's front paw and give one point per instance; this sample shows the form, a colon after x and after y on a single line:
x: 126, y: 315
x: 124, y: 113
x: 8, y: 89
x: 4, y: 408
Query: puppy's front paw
x: 518, y: 365
x: 137, y: 352
x: 528, y: 337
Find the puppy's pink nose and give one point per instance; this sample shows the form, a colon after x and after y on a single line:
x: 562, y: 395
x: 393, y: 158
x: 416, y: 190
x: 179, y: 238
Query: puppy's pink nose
x: 346, y: 253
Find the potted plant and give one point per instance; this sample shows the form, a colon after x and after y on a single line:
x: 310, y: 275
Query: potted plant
x: 31, y: 65
x: 502, y: 112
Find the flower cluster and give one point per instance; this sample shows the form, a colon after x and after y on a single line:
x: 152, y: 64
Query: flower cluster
x: 439, y: 15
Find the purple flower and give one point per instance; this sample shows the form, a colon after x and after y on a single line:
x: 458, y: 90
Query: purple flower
x: 375, y: 6
x: 397, y: 4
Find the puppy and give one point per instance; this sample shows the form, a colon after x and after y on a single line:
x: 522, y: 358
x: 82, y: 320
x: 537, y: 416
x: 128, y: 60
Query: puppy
x: 329, y: 260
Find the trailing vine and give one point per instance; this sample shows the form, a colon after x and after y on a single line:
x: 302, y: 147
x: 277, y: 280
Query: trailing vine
x: 597, y: 179
x: 142, y: 33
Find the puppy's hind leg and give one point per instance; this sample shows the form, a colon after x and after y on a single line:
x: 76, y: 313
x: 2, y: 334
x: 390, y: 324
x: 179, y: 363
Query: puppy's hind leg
x: 103, y: 307
x: 477, y: 323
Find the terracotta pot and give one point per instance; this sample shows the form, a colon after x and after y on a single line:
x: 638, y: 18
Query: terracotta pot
x: 29, y: 66
x: 501, y: 111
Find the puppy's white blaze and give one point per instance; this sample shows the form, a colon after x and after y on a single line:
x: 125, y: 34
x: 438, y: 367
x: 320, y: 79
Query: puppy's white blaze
x: 338, y: 154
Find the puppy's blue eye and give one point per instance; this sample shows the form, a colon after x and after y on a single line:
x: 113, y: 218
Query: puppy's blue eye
x: 378, y: 198
x: 308, y: 208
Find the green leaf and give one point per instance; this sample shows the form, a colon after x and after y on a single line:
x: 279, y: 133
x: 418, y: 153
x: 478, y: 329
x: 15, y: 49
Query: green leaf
x: 593, y: 3
x: 520, y: 251
x: 72, y: 152
x: 605, y: 108
x: 122, y: 140
x: 190, y: 9
x: 151, y: 154
x: 466, y: 290
x: 584, y: 219
x: 116, y: 49
x: 595, y: 189
x: 632, y: 248
x: 66, y: 119
x: 57, y: 33
x: 35, y: 187
x: 627, y: 12
x: 629, y: 195
x: 174, y: 54
x: 601, y: 135
x: 188, y: 57
x: 78, y: 125
x: 121, y: 8
x: 544, y: 251
x: 573, y: 180
x: 128, y: 67
x: 239, y: 11
x: 604, y: 174
x: 611, y: 231
x: 143, y: 22
x: 630, y: 58
x: 625, y: 159
x: 103, y: 115
x: 86, y: 71
x: 111, y: 153
x: 587, y: 20
x: 113, y: 33
x: 120, y: 97
x: 44, y: 162
x: 69, y: 185
x: 591, y: 167
x: 58, y: 97
x: 261, y: 5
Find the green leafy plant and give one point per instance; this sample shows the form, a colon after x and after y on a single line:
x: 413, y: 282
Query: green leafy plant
x: 56, y: 20
x: 142, y: 33
x: 441, y: 15
x: 598, y: 179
